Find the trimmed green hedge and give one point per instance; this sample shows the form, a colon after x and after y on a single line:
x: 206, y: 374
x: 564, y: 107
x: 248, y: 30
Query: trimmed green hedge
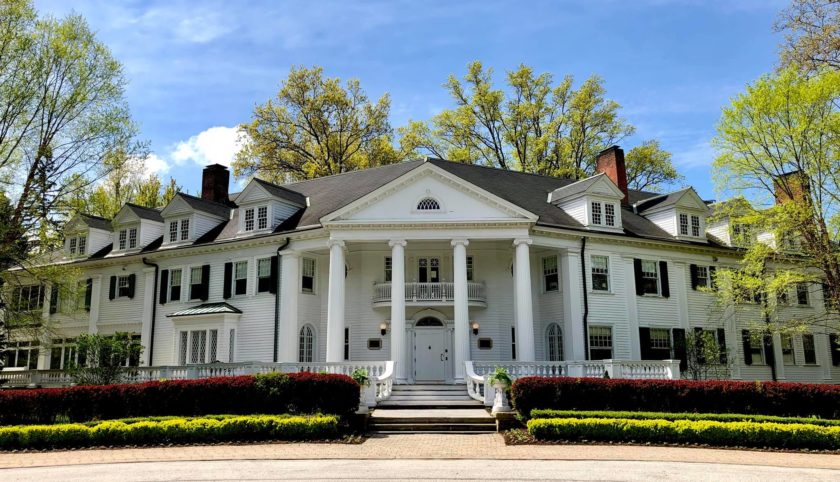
x: 170, y: 430
x: 718, y: 417
x: 724, y: 434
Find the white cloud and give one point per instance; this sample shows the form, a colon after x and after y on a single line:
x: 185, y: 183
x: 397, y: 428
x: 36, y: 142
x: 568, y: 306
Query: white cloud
x: 216, y: 145
x: 154, y: 164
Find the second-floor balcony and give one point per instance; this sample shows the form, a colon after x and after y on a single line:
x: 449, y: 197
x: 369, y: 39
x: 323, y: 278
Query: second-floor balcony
x: 430, y: 294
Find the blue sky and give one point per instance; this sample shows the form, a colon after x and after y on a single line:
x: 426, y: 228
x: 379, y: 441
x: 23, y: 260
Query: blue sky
x: 196, y: 69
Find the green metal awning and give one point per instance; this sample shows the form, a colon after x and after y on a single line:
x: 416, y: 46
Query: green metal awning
x: 207, y: 309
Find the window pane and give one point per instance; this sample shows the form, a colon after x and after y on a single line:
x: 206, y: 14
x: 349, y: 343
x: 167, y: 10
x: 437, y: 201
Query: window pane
x: 550, y: 274
x: 262, y: 217
x: 600, y: 273
x: 609, y: 214
x: 173, y: 231
x: 185, y: 229
x: 596, y: 213
x: 684, y: 224
x: 249, y: 219
x: 695, y: 226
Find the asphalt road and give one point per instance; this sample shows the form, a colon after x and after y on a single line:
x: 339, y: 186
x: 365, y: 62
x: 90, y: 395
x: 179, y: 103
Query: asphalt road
x: 401, y: 469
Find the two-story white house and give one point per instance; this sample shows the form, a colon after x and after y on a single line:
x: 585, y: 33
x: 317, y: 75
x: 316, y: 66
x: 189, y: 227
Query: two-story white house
x: 429, y: 264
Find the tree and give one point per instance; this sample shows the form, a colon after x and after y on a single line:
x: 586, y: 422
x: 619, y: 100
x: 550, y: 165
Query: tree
x: 102, y: 359
x: 315, y: 127
x: 779, y: 145
x: 649, y: 167
x: 705, y: 357
x: 535, y: 126
x: 812, y: 34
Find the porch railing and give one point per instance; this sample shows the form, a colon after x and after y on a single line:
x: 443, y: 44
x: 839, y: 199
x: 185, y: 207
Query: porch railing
x: 381, y: 374
x: 441, y: 292
x: 479, y: 388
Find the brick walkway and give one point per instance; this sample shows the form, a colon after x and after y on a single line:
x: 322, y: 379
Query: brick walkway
x: 420, y: 446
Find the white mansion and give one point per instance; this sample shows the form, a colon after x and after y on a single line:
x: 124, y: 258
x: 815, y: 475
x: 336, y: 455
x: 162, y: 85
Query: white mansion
x: 430, y: 264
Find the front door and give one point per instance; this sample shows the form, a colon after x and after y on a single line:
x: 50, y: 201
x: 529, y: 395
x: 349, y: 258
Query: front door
x: 428, y: 270
x: 430, y: 354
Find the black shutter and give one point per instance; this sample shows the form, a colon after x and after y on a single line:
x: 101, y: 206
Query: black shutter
x: 721, y: 338
x: 88, y: 293
x: 132, y: 281
x: 663, y: 279
x: 226, y: 293
x: 112, y: 293
x: 164, y: 286
x: 834, y: 345
x: 205, y: 282
x: 272, y: 286
x: 745, y: 340
x: 712, y: 279
x: 637, y: 268
x: 698, y: 345
x: 679, y: 347
x: 644, y: 343
x: 769, y: 353
x: 54, y: 300
x: 692, y: 268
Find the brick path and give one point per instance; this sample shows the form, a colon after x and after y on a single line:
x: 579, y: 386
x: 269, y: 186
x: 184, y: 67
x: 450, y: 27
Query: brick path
x: 420, y: 446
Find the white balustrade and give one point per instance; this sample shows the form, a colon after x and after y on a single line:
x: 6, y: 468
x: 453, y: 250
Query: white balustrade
x: 439, y: 292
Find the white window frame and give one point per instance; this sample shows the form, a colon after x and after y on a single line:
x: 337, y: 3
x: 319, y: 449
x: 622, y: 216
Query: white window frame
x: 696, y: 226
x: 184, y: 229
x: 258, y: 275
x: 593, y: 329
x: 547, y: 271
x: 122, y: 240
x: 254, y: 213
x: 803, y: 288
x: 132, y: 238
x: 203, y: 355
x: 599, y: 209
x: 237, y: 264
x: 757, y: 350
x: 123, y: 283
x: 262, y: 218
x: 813, y: 349
x: 314, y: 274
x: 663, y: 339
x: 471, y: 269
x: 657, y: 277
x: 312, y: 355
x: 389, y: 266
x: 787, y: 349
x: 82, y: 247
x: 171, y: 284
x: 603, y: 271
x: 190, y: 282
x: 554, y: 342
x: 702, y: 274
x: 173, y: 230
x: 683, y: 224
x: 71, y: 246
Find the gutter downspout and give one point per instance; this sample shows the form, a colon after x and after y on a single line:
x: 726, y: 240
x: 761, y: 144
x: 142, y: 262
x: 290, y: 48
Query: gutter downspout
x: 154, y: 311
x: 585, y: 299
x: 277, y: 297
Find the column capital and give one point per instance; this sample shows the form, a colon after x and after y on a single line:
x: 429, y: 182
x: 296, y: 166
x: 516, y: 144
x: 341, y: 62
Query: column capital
x: 460, y: 241
x: 290, y: 253
x: 397, y: 242
x: 526, y: 241
x: 335, y: 242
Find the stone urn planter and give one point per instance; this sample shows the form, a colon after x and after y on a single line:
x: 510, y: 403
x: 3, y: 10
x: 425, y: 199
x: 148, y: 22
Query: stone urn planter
x: 500, y: 381
x: 361, y: 377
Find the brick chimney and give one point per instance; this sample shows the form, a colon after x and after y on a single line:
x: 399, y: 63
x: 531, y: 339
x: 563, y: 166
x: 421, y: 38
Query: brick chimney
x: 214, y: 183
x: 792, y: 185
x: 611, y: 162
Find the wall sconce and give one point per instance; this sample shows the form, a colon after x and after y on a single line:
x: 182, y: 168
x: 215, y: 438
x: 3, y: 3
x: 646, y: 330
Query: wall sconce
x: 475, y: 327
x: 383, y: 327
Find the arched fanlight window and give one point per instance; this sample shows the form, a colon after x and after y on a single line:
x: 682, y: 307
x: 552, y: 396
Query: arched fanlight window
x: 428, y: 204
x: 554, y: 342
x: 428, y: 321
x: 306, y: 344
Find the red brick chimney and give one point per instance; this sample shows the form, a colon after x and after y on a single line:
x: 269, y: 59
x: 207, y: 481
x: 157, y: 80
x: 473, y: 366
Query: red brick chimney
x: 214, y: 183
x: 792, y: 186
x: 611, y: 162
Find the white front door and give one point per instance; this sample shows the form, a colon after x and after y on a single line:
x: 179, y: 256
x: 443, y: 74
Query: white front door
x: 430, y: 355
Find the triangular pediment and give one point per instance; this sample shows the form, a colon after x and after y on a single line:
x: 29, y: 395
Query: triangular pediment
x: 691, y: 200
x: 176, y: 207
x: 598, y: 185
x: 126, y: 216
x: 254, y: 192
x: 429, y: 194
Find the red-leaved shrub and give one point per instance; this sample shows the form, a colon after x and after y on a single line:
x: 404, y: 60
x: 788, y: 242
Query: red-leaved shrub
x: 264, y: 394
x: 766, y: 398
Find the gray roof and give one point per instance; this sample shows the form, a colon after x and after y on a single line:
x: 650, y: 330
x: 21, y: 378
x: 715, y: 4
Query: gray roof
x: 282, y: 192
x: 152, y: 214
x: 97, y: 222
x: 203, y: 205
x: 570, y: 190
x: 661, y: 201
x: 206, y: 309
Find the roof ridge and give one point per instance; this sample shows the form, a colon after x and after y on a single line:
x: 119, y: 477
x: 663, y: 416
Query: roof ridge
x: 348, y: 172
x: 201, y: 199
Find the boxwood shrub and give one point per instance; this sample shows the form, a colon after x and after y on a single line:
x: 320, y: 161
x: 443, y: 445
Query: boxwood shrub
x: 725, y: 434
x: 719, y: 417
x: 266, y: 394
x: 176, y: 430
x: 765, y: 398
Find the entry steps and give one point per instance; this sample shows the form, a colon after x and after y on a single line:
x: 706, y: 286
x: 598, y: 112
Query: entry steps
x: 429, y: 396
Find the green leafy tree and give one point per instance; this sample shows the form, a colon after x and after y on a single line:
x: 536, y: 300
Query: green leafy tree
x: 705, y: 358
x: 102, y: 359
x: 812, y: 34
x: 534, y: 125
x: 778, y: 146
x: 314, y: 127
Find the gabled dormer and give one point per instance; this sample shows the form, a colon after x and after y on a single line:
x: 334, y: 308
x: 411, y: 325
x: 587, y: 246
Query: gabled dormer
x: 135, y: 227
x: 85, y: 235
x: 594, y: 202
x: 725, y: 225
x: 263, y: 206
x: 186, y: 218
x: 682, y: 214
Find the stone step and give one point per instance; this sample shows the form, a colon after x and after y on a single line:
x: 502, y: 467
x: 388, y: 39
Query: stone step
x: 430, y: 404
x: 486, y: 420
x: 430, y: 397
x: 433, y: 427
x: 426, y: 393
x: 436, y: 388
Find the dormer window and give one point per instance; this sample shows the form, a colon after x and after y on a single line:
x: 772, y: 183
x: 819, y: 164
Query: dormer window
x: 602, y: 214
x: 179, y: 230
x: 256, y: 219
x: 741, y: 235
x: 127, y: 238
x: 689, y: 225
x: 428, y: 204
x: 122, y: 239
x: 132, y: 238
x: 77, y: 245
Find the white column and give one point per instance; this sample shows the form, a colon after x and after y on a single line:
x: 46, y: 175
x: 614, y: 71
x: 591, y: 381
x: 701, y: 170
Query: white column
x: 632, y: 310
x: 43, y: 352
x: 524, y: 301
x: 398, y: 344
x: 335, y: 303
x: 461, y: 339
x: 95, y: 301
x: 289, y: 294
x: 574, y: 347
x: 146, y: 326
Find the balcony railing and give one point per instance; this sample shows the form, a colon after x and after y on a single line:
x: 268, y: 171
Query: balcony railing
x: 431, y: 293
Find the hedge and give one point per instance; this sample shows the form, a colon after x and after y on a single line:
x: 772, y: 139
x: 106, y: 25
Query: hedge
x: 177, y: 431
x: 765, y: 398
x: 718, y: 417
x: 295, y: 393
x: 725, y: 434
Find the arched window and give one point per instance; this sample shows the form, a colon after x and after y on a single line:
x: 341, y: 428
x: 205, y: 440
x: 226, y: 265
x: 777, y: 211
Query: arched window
x: 428, y: 204
x: 306, y: 344
x: 428, y: 321
x: 554, y: 342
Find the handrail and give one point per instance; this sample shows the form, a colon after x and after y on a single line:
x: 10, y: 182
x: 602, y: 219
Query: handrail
x: 384, y: 383
x: 476, y: 384
x: 437, y: 291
